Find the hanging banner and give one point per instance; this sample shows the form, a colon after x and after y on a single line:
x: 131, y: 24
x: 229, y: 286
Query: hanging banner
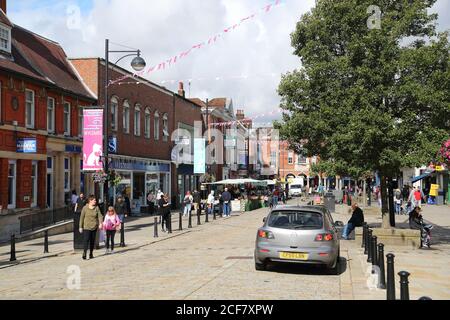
x: 199, y: 156
x: 92, y: 139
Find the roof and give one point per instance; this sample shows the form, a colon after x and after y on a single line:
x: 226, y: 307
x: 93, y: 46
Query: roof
x: 4, y: 19
x: 218, y: 103
x: 198, y: 102
x: 43, y: 60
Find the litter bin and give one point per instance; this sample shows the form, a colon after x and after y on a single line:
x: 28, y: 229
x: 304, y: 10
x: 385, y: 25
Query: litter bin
x: 329, y: 202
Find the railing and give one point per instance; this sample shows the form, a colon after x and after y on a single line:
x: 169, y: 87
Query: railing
x: 43, y: 219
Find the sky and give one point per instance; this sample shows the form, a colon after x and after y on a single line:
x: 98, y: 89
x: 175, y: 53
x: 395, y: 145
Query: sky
x: 245, y: 65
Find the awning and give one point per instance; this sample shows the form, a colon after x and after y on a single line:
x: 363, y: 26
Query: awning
x: 423, y: 176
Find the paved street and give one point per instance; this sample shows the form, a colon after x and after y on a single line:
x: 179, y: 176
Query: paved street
x: 211, y: 261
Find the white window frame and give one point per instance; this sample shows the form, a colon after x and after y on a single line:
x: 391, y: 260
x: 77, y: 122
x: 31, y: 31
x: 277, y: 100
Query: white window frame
x: 14, y: 185
x: 290, y: 158
x: 165, y: 127
x: 66, y: 130
x: 34, y: 181
x: 299, y: 157
x: 147, y: 123
x: 156, y: 126
x: 68, y: 174
x: 137, y: 120
x: 80, y: 121
x: 114, y: 113
x: 32, y: 110
x: 126, y: 117
x: 51, y: 123
x: 8, y: 46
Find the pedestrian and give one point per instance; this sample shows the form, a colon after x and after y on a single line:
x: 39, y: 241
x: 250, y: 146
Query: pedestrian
x: 226, y: 198
x: 121, y: 208
x: 81, y: 202
x: 151, y: 203
x: 356, y: 220
x: 91, y: 220
x: 398, y: 201
x: 111, y: 224
x: 73, y: 200
x: 127, y: 204
x: 187, y: 202
x: 416, y: 198
x: 197, y: 200
x: 210, y: 202
x: 159, y: 195
x: 164, y: 208
x: 270, y: 200
x: 275, y: 197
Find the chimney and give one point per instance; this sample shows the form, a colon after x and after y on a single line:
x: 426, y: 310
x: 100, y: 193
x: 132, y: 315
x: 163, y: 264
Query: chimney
x: 3, y: 5
x: 181, y: 91
x: 240, y: 115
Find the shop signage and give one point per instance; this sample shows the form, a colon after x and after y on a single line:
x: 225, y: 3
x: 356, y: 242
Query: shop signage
x: 26, y: 145
x: 136, y: 165
x: 112, y: 145
x: 434, y: 190
x: 199, y: 156
x: 440, y: 168
x: 73, y: 149
x: 92, y: 139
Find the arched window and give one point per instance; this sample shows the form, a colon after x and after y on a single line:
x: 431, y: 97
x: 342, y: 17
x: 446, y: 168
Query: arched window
x: 137, y: 120
x: 156, y: 127
x: 147, y: 123
x: 126, y: 117
x: 165, y: 127
x: 114, y: 113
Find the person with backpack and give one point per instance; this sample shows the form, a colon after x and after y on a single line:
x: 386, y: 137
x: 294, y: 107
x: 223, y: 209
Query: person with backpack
x: 91, y: 220
x: 111, y: 224
x: 187, y: 202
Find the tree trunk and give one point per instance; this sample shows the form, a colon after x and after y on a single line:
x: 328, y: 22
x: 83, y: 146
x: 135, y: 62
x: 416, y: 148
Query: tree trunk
x: 384, y: 203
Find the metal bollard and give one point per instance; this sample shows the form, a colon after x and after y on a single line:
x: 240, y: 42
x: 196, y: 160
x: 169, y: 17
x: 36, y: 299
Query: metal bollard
x: 198, y: 218
x: 169, y: 223
x: 122, y: 234
x: 46, y: 241
x: 206, y: 216
x: 390, y: 293
x: 190, y: 220
x: 425, y: 298
x: 155, y: 228
x: 369, y: 246
x: 404, y: 285
x: 363, y: 244
x: 374, y: 251
x: 180, y: 222
x: 382, y: 279
x: 214, y: 213
x: 13, y: 248
x: 366, y: 241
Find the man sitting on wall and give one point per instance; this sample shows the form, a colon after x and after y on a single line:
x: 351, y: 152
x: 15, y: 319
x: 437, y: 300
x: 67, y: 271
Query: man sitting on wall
x: 356, y: 220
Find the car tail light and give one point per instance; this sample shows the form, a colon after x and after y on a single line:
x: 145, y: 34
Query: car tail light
x: 324, y: 237
x: 265, y: 234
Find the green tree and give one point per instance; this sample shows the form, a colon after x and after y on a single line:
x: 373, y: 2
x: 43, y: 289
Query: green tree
x: 368, y: 99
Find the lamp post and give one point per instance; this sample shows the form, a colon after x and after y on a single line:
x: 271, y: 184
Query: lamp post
x: 138, y: 64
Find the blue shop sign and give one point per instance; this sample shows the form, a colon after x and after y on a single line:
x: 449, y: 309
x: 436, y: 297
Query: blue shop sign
x: 73, y: 149
x: 139, y: 166
x: 26, y: 145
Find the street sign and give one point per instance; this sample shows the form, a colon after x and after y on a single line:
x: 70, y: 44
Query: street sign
x: 26, y: 145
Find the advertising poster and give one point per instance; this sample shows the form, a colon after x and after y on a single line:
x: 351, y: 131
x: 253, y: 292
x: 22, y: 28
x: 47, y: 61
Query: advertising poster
x: 92, y: 139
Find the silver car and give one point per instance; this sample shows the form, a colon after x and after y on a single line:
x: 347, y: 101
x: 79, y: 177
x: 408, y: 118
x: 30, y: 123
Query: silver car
x: 298, y: 234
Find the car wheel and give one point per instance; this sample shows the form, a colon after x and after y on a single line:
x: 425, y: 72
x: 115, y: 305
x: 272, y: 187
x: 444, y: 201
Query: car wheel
x: 260, y: 266
x: 335, y: 268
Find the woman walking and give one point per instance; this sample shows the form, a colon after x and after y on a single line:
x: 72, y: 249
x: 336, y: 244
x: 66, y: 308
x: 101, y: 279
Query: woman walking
x: 91, y: 220
x: 188, y: 199
x: 111, y: 224
x: 164, y: 207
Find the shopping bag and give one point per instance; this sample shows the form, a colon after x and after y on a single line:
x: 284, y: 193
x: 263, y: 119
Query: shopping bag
x: 102, y: 236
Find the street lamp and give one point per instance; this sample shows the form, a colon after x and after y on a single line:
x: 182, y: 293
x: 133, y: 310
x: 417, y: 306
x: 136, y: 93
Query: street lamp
x: 138, y: 64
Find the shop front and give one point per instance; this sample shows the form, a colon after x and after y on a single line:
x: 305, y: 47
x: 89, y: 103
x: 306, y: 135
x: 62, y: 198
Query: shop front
x: 139, y: 177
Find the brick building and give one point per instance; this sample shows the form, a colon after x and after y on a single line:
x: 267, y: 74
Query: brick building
x: 41, y: 97
x: 143, y: 116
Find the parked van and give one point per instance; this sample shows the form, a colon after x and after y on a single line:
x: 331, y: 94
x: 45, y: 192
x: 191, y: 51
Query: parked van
x: 295, y: 187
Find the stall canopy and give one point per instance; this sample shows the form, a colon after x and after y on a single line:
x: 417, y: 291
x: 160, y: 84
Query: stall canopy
x: 239, y: 182
x: 423, y: 176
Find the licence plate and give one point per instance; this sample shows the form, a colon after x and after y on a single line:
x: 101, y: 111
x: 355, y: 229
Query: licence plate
x: 293, y: 256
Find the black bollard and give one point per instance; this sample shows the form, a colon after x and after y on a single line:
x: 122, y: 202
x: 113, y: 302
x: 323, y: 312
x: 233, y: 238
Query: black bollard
x: 214, y: 213
x: 382, y: 279
x: 169, y: 223
x: 390, y: 293
x: 374, y: 251
x: 369, y: 246
x: 404, y: 285
x: 425, y: 298
x: 155, y: 227
x: 363, y: 243
x: 46, y: 241
x: 13, y: 248
x: 180, y: 222
x: 366, y: 241
x: 206, y: 216
x: 122, y: 234
x: 190, y: 220
x: 198, y: 218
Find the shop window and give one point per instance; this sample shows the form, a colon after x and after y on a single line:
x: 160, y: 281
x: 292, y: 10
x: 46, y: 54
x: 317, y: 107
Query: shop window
x: 12, y: 170
x: 29, y: 108
x: 51, y: 115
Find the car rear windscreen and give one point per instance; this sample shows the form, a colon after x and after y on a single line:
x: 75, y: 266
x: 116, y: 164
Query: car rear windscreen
x: 296, y: 220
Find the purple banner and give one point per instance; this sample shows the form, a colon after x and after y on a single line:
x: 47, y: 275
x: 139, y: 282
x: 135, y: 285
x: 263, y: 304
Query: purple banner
x: 92, y: 139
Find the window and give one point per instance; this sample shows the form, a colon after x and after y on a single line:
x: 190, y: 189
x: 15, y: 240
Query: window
x: 66, y: 119
x: 126, y: 117
x: 80, y: 121
x: 301, y: 159
x: 147, y: 123
x: 114, y: 108
x: 290, y: 158
x: 12, y: 185
x: 156, y: 133
x: 66, y: 174
x: 273, y: 158
x: 5, y: 39
x: 34, y: 184
x: 30, y: 108
x: 51, y: 115
x: 165, y: 128
x: 137, y: 120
